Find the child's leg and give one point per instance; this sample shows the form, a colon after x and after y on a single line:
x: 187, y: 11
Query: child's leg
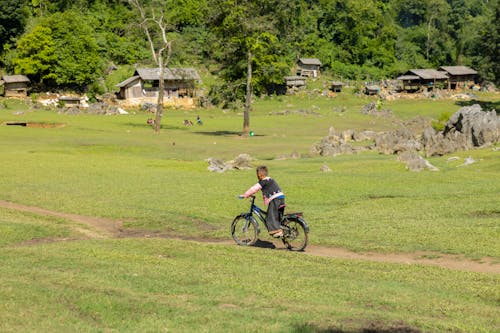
x: 273, y: 219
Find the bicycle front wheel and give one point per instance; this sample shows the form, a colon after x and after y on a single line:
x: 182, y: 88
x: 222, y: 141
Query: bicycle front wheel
x: 244, y: 230
x: 295, y: 235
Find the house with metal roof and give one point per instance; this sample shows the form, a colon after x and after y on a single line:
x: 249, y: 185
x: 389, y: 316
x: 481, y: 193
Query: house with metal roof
x: 144, y: 84
x: 417, y: 79
x: 308, y: 67
x: 460, y: 76
x: 15, y: 85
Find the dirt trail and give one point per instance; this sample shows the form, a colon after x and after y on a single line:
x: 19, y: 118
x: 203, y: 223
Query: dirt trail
x: 102, y: 228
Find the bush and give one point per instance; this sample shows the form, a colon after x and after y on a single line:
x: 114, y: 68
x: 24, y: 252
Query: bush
x: 443, y: 118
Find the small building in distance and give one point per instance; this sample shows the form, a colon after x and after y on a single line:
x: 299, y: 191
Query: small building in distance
x: 336, y: 86
x: 418, y: 79
x: 144, y: 85
x: 15, y: 85
x: 459, y: 76
x: 295, y: 81
x: 308, y: 67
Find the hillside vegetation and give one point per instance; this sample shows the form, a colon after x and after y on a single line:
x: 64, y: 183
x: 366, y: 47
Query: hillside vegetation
x: 75, y: 44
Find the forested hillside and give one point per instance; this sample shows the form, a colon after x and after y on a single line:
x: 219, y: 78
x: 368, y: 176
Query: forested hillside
x: 73, y: 44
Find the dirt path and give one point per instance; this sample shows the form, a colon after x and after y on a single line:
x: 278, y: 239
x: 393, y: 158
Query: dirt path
x: 101, y: 228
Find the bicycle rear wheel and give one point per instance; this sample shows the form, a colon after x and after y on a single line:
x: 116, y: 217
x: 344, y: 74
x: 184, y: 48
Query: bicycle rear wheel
x: 244, y: 230
x: 295, y: 236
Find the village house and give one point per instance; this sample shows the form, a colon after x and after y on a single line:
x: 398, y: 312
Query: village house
x: 308, y: 67
x: 143, y: 86
x: 423, y: 79
x: 15, y: 85
x: 459, y: 76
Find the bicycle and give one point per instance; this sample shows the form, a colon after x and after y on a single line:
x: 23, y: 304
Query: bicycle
x: 245, y: 228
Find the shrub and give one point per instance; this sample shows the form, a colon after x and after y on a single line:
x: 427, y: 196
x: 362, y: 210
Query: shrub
x: 443, y: 118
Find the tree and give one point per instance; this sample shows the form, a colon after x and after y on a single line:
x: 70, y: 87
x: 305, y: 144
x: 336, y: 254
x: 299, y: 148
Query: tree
x: 246, y: 32
x: 61, y: 51
x: 13, y: 17
x: 36, y: 54
x: 154, y: 22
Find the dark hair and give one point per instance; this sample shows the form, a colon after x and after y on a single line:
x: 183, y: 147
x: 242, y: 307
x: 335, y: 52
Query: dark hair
x: 262, y: 169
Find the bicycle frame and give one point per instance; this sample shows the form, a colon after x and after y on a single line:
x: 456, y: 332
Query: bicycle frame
x: 257, y: 211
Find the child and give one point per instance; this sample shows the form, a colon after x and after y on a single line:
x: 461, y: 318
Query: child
x: 273, y: 196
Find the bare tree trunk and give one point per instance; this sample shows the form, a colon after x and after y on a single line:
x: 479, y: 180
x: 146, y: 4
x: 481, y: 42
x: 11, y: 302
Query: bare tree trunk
x: 428, y: 44
x: 163, y: 48
x: 248, y: 96
x: 161, y: 93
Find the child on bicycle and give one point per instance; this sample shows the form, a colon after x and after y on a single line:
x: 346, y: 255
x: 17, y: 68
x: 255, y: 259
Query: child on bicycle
x: 273, y: 196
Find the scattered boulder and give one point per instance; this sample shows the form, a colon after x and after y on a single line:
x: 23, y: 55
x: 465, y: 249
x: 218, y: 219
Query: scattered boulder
x: 375, y: 109
x: 241, y: 162
x: 488, y: 86
x: 334, y: 144
x: 364, y: 136
x: 216, y: 165
x: 415, y: 162
x: 325, y: 168
x: 397, y: 141
x: 99, y: 108
x: 468, y: 161
x: 294, y: 156
x: 435, y: 143
x: 479, y: 127
x: 469, y: 127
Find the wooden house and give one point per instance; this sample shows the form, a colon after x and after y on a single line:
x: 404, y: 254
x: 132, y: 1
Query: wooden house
x: 308, y: 67
x: 144, y: 84
x: 15, y: 85
x: 459, y: 76
x: 417, y: 79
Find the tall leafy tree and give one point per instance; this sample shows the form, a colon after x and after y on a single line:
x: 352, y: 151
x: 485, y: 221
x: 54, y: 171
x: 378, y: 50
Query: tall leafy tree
x: 68, y: 53
x: 246, y: 46
x: 36, y: 54
x: 13, y: 17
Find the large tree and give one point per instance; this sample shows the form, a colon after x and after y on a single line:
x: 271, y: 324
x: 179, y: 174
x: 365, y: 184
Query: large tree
x: 61, y: 51
x: 13, y: 17
x: 247, y: 47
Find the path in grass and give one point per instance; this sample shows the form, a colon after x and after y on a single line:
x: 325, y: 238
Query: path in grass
x: 102, y: 228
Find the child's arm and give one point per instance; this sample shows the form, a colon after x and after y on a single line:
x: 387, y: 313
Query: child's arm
x: 252, y: 190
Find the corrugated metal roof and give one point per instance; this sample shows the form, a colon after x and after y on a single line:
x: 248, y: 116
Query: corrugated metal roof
x: 127, y: 81
x: 15, y: 78
x: 458, y: 70
x: 408, y: 77
x: 310, y: 61
x: 428, y: 74
x: 168, y: 73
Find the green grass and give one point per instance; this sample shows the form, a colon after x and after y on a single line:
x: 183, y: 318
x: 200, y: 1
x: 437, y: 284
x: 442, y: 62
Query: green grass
x: 165, y: 285
x: 115, y: 167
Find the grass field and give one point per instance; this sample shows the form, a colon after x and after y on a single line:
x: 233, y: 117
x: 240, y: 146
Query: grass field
x: 115, y: 167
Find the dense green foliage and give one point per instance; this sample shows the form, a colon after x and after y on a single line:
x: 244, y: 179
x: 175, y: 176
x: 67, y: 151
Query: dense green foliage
x: 369, y: 39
